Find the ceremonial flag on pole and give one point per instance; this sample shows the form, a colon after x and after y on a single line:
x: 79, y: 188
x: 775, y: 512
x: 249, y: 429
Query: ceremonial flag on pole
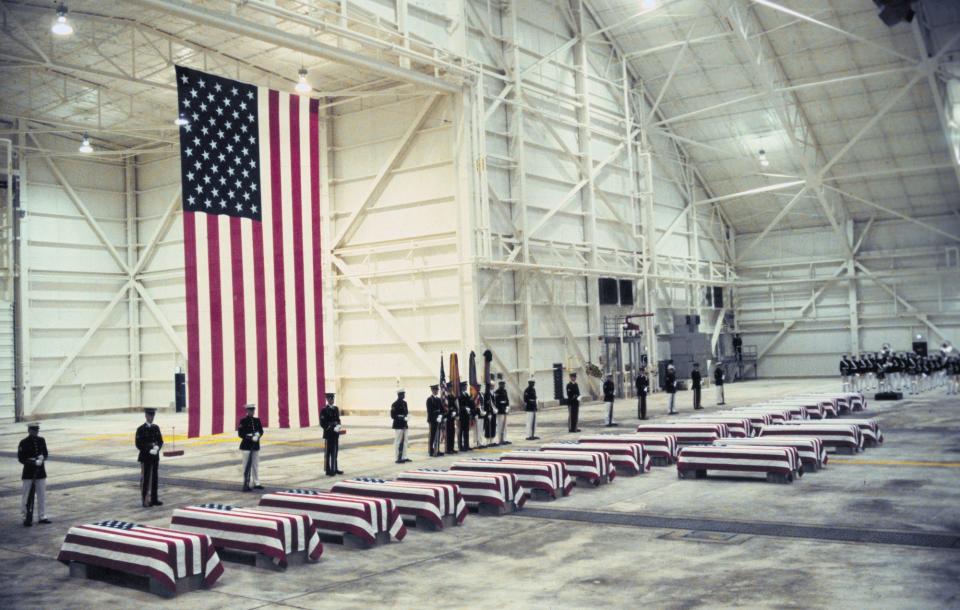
x: 250, y: 170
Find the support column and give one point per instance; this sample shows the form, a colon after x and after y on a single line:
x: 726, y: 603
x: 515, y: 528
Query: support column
x: 853, y: 300
x: 21, y: 319
x: 133, y: 305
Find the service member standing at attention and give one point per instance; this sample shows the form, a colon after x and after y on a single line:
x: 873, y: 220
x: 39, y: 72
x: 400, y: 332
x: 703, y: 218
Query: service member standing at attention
x: 489, y: 418
x: 330, y: 422
x: 250, y: 431
x: 32, y: 453
x: 398, y: 413
x: 718, y: 377
x: 530, y: 406
x: 434, y: 419
x: 670, y: 380
x: 846, y: 373
x: 695, y: 378
x: 573, y: 404
x: 501, y: 400
x: 609, y: 396
x: 149, y: 441
x: 466, y: 406
x: 453, y: 413
x: 643, y: 386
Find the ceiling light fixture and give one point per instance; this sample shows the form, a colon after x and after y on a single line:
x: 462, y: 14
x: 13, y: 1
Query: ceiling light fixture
x: 181, y: 120
x: 302, y: 87
x: 762, y: 155
x: 85, y: 146
x: 61, y: 27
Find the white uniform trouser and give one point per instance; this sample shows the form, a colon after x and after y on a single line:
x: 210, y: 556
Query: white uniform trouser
x: 531, y: 423
x: 501, y: 428
x: 610, y: 412
x: 254, y: 467
x: 720, y: 394
x: 476, y: 423
x: 400, y: 444
x: 40, y: 503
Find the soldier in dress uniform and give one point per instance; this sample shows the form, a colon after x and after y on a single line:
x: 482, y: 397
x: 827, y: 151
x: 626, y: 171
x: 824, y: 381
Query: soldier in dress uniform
x: 476, y: 417
x: 671, y: 382
x: 330, y: 422
x: 149, y: 441
x: 465, y: 406
x: 489, y: 418
x: 573, y: 404
x: 695, y: 379
x: 434, y: 419
x: 399, y: 414
x: 453, y: 415
x: 718, y: 377
x: 846, y: 373
x: 250, y: 430
x: 501, y: 400
x: 643, y: 386
x: 530, y: 406
x: 609, y: 397
x: 32, y: 453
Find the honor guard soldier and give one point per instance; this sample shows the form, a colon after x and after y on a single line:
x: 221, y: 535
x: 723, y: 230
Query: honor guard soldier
x: 530, y: 406
x: 476, y: 416
x: 695, y: 379
x: 434, y: 420
x: 718, y: 378
x: 399, y: 414
x: 453, y: 415
x: 489, y: 418
x: 465, y: 406
x: 32, y: 453
x: 330, y: 422
x: 501, y: 401
x: 149, y: 441
x: 250, y: 430
x: 671, y: 387
x: 609, y: 396
x: 846, y: 373
x: 643, y: 387
x: 573, y: 404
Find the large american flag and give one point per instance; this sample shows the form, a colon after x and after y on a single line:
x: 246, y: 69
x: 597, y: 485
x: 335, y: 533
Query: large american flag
x: 250, y: 165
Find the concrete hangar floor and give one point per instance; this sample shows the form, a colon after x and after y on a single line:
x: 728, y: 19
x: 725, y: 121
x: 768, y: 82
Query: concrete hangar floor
x: 880, y: 529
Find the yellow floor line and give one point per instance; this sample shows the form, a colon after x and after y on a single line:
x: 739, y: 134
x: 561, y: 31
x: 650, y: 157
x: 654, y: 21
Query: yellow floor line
x: 919, y: 463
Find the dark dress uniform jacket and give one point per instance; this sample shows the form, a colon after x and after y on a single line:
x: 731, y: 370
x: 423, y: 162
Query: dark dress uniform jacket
x: 643, y: 384
x: 330, y: 419
x: 147, y: 435
x: 28, y: 449
x: 490, y: 420
x: 397, y: 411
x: 573, y: 392
x: 501, y: 400
x: 434, y: 408
x: 249, y: 425
x: 671, y: 381
x: 695, y: 379
x: 452, y: 411
x: 718, y: 376
x: 608, y: 391
x: 530, y: 399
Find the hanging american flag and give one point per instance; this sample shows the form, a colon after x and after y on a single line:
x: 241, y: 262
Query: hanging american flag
x: 250, y: 169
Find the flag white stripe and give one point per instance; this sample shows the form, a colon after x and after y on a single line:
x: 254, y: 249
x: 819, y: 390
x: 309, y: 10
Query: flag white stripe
x: 266, y: 203
x: 226, y: 317
x: 249, y: 314
x: 203, y: 310
x: 306, y: 209
x: 289, y: 265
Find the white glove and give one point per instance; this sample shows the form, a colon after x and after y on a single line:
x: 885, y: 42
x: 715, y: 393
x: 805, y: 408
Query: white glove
x: 439, y: 417
x: 507, y: 410
x: 336, y: 428
x: 155, y: 450
x: 404, y: 418
x: 255, y: 437
x: 39, y: 460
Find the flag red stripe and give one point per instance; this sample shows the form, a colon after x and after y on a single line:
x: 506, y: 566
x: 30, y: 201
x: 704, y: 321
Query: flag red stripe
x: 316, y: 280
x: 260, y: 299
x: 193, y: 325
x: 216, y: 322
x: 297, y: 207
x: 276, y: 219
x: 239, y: 319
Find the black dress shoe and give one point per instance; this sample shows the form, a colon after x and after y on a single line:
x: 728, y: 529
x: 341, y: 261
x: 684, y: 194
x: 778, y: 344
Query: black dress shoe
x: 437, y: 455
x: 258, y: 486
x: 245, y: 488
x: 156, y: 503
x: 535, y: 438
x: 339, y: 472
x: 506, y: 443
x: 329, y: 474
x: 45, y: 521
x: 529, y: 438
x: 28, y: 524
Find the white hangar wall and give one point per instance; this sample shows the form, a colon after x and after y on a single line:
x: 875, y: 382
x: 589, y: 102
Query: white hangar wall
x: 901, y: 269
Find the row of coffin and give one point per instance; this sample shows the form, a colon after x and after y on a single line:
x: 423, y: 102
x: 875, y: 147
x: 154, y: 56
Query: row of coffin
x: 778, y: 440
